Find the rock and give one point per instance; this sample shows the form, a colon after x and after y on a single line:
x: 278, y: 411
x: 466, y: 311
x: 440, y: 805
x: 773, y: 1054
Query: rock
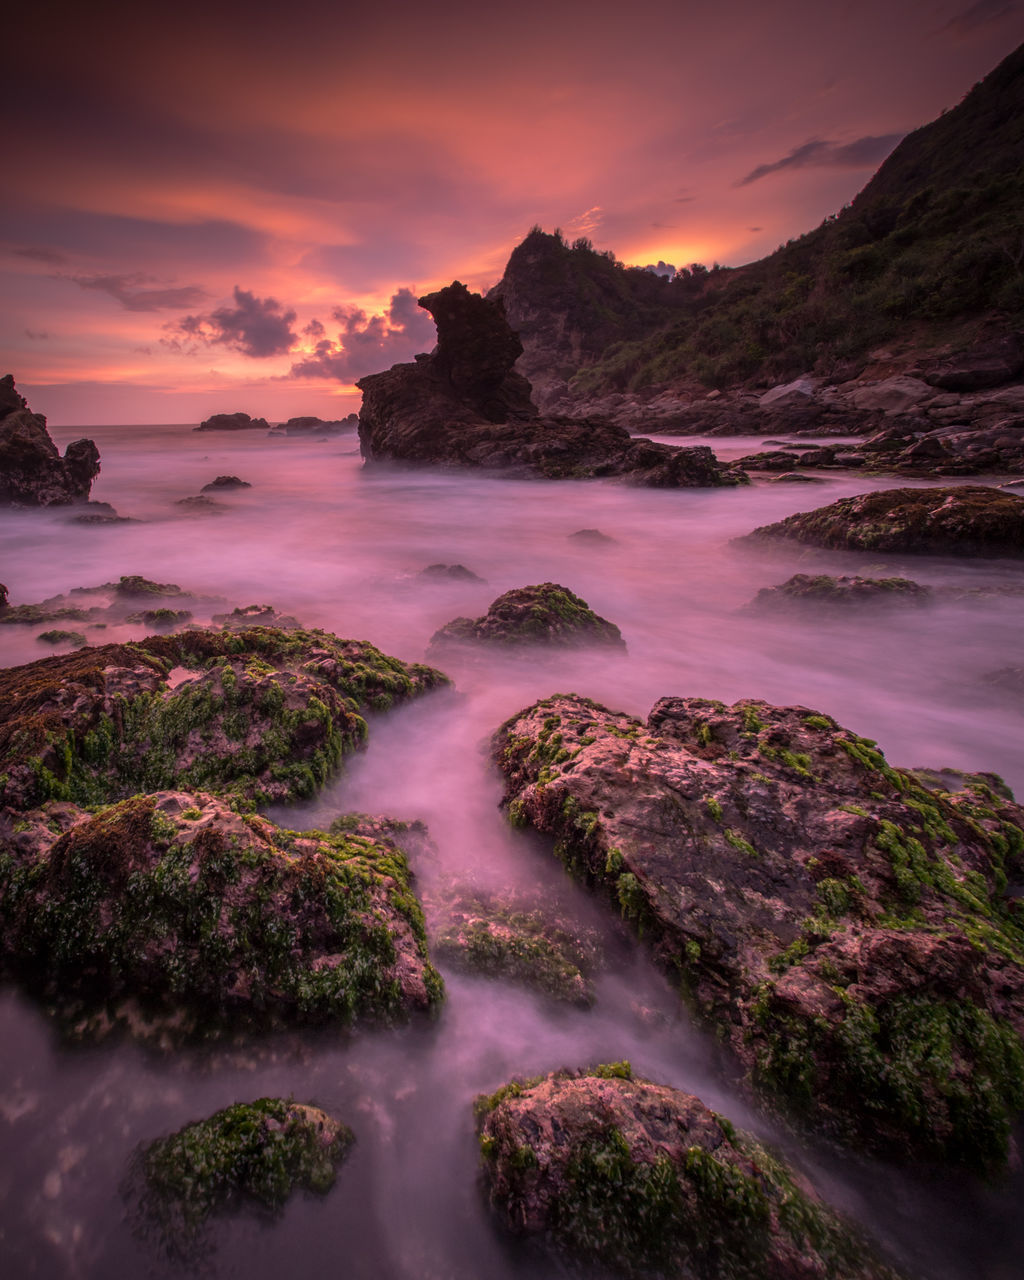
x: 546, y: 614
x: 835, y: 921
x: 3, y: 595
x: 256, y: 615
x: 892, y: 394
x: 258, y: 1151
x: 795, y: 477
x: 965, y: 520
x: 789, y: 394
x: 822, y: 594
x: 62, y: 637
x: 214, y: 917
x: 310, y: 426
x: 97, y: 513
x: 134, y: 585
x: 266, y: 714
x: 593, y: 537
x: 449, y: 573
x: 32, y: 471
x: 225, y: 482
x: 466, y: 406
x: 987, y: 364
x: 514, y: 936
x: 645, y: 1180
x: 200, y: 504
x: 233, y: 422
x: 161, y: 619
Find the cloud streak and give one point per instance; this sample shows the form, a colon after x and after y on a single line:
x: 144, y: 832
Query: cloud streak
x: 255, y: 327
x: 125, y: 289
x: 367, y: 344
x: 819, y: 153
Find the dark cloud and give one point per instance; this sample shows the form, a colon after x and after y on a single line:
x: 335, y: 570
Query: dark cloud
x: 366, y: 344
x: 986, y: 13
x: 660, y: 268
x: 38, y: 335
x: 257, y: 327
x: 860, y: 154
x: 133, y: 298
x: 50, y: 256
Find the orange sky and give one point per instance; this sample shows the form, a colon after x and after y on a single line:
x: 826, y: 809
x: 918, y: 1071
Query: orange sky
x: 201, y: 195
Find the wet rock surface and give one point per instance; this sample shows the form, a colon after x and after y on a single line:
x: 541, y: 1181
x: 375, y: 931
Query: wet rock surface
x: 646, y: 1180
x: 546, y: 614
x: 466, y: 406
x: 32, y: 471
x: 847, y: 931
x: 965, y: 520
x: 266, y: 713
x: 824, y: 594
x: 173, y: 913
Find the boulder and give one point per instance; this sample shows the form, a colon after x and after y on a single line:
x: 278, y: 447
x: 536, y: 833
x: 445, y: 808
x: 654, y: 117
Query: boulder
x: 225, y: 482
x: 32, y: 471
x: 233, y: 422
x: 547, y: 614
x: 844, y: 929
x: 965, y: 520
x: 264, y: 713
x: 466, y: 406
x: 259, y: 1152
x: 892, y: 394
x: 211, y: 917
x: 643, y: 1180
x: 789, y: 395
x: 823, y: 594
x: 989, y: 363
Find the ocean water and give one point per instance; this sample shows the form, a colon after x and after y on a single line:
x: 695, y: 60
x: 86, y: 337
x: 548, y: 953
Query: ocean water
x: 339, y: 547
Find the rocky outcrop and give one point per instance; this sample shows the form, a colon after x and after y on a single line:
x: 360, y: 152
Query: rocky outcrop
x: 225, y: 482
x: 310, y: 426
x: 233, y: 422
x: 547, y: 614
x: 32, y: 471
x: 846, y: 930
x: 991, y: 362
x: 263, y: 713
x: 466, y: 406
x: 645, y: 1180
x: 258, y: 1151
x: 823, y: 594
x: 966, y: 520
x: 208, y: 916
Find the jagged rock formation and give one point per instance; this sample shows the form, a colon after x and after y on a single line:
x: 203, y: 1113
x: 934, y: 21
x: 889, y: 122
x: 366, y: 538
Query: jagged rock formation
x: 32, y: 471
x: 465, y: 406
x: 547, y: 614
x: 232, y: 422
x: 645, y: 1180
x: 846, y: 930
x: 967, y: 520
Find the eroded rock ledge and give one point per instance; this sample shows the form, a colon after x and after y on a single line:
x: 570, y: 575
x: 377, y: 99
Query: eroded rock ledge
x: 846, y: 930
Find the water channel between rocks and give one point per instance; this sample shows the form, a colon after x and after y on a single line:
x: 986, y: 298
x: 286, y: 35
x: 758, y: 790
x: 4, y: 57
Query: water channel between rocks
x: 338, y: 548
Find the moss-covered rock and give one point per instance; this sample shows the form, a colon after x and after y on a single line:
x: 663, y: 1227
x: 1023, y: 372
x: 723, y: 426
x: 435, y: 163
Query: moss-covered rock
x: 823, y: 594
x: 963, y: 520
x: 646, y: 1180
x: 510, y: 935
x: 546, y: 614
x: 264, y: 713
x: 253, y: 1152
x: 846, y: 929
x: 59, y: 636
x: 178, y: 906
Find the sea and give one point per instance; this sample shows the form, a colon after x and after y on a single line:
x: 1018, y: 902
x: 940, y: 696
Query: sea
x: 340, y: 546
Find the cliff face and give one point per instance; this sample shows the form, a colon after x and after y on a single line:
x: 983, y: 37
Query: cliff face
x: 928, y: 260
x: 32, y: 471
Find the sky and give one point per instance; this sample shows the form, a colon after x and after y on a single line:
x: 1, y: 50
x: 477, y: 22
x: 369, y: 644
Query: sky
x: 212, y: 207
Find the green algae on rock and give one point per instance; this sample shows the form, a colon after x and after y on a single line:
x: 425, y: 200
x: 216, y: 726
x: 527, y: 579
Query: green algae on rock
x: 174, y: 909
x: 957, y: 520
x: 263, y: 713
x: 823, y: 594
x: 644, y: 1179
x: 510, y: 935
x: 846, y: 930
x: 257, y: 1152
x: 547, y: 614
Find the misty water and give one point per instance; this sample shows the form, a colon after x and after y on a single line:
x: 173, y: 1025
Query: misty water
x: 341, y: 548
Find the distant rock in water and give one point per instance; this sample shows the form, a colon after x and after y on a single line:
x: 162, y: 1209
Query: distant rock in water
x: 965, y: 520
x: 32, y: 471
x: 233, y: 422
x: 225, y: 482
x: 466, y: 406
x: 592, y: 537
x: 449, y: 573
x: 201, y: 505
x: 645, y: 1180
x: 256, y: 615
x: 547, y: 614
x: 310, y: 426
x: 134, y: 584
x: 821, y: 593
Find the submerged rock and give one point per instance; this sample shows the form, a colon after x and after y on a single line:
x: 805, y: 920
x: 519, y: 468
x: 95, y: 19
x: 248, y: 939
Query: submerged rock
x: 311, y: 426
x: 57, y: 636
x: 821, y: 593
x: 645, y: 1180
x: 263, y: 713
x: 32, y: 471
x: 845, y: 929
x: 208, y: 916
x: 449, y: 573
x: 233, y: 422
x: 466, y: 406
x: 161, y: 619
x: 546, y: 614
x: 135, y: 585
x: 965, y: 520
x: 225, y: 482
x: 258, y: 1152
